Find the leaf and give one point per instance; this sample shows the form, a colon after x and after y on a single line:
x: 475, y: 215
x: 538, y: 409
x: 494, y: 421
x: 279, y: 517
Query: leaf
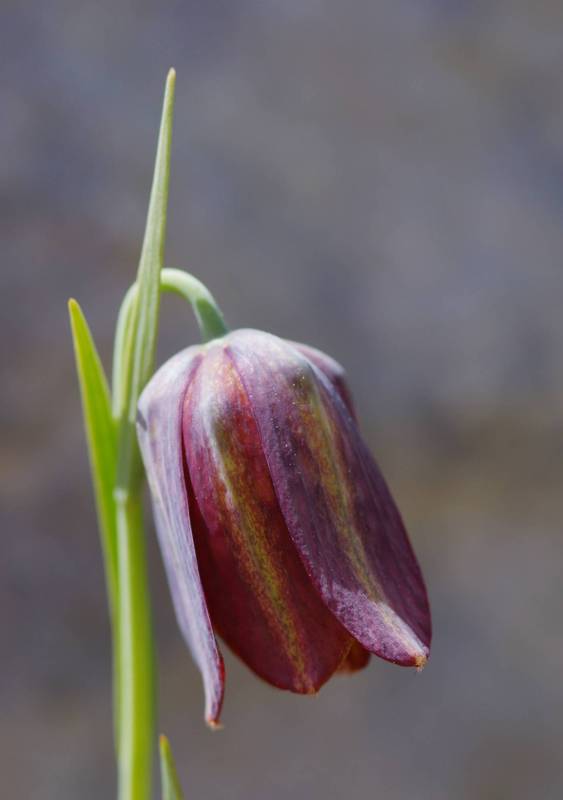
x: 101, y: 438
x: 152, y: 254
x: 141, y: 334
x: 171, y: 789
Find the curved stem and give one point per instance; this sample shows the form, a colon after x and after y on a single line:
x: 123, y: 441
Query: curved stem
x: 208, y: 314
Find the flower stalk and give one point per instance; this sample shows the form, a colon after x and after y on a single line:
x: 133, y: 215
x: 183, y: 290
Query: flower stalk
x: 135, y: 657
x: 117, y: 470
x: 208, y: 314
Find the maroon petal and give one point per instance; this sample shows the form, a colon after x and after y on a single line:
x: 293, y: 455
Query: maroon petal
x: 333, y: 371
x: 159, y: 431
x: 338, y: 510
x: 259, y: 596
x: 356, y: 659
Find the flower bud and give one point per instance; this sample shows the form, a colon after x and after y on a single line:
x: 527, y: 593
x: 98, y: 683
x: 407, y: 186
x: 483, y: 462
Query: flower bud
x: 276, y: 527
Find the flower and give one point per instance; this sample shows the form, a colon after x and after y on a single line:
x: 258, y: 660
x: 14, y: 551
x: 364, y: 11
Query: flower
x: 276, y: 527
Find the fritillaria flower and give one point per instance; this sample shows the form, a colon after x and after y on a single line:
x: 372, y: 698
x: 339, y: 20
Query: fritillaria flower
x: 277, y: 529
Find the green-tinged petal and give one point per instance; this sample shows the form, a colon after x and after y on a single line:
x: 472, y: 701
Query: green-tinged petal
x: 171, y: 789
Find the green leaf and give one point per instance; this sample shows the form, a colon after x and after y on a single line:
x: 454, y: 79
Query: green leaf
x: 101, y: 438
x: 171, y: 789
x: 141, y: 333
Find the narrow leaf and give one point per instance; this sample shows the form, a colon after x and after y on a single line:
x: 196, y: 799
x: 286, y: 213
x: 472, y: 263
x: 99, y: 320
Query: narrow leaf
x: 101, y: 438
x: 141, y: 334
x: 171, y: 789
x: 152, y: 254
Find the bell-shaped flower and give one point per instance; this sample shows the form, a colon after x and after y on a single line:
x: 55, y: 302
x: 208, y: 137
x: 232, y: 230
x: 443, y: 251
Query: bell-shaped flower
x: 276, y: 527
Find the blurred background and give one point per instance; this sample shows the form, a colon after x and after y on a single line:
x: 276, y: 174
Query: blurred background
x: 384, y: 181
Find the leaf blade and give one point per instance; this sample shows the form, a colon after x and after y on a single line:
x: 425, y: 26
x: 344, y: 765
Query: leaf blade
x: 142, y: 329
x: 101, y: 440
x: 171, y: 789
x: 152, y: 254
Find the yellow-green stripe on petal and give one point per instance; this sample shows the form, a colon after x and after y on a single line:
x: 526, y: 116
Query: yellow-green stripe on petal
x: 336, y: 505
x: 260, y: 598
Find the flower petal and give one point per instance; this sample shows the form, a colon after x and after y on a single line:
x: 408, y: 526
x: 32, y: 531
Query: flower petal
x: 259, y: 595
x: 333, y: 371
x: 159, y: 431
x: 336, y: 505
x: 357, y: 658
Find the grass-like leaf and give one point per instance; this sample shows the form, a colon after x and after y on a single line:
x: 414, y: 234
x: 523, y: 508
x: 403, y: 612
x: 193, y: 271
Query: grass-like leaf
x: 141, y: 335
x: 101, y: 437
x: 171, y: 789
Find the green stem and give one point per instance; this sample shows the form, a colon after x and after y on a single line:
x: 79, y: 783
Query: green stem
x: 208, y: 314
x: 136, y: 657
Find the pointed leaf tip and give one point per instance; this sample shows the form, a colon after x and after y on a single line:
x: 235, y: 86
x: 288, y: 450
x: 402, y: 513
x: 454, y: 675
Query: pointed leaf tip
x: 139, y: 350
x: 171, y: 789
x: 144, y: 323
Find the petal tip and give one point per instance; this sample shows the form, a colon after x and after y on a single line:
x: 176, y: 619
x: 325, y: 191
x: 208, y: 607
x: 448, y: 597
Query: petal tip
x: 420, y: 661
x: 215, y: 694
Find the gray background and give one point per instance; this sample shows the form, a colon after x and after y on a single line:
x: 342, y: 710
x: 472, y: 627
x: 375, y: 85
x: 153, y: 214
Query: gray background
x: 382, y: 180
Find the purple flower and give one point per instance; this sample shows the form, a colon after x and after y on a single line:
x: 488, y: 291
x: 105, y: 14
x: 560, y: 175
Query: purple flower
x: 277, y: 529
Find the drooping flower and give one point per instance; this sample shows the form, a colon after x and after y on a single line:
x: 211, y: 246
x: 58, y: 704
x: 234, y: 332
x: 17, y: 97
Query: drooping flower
x: 276, y: 527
